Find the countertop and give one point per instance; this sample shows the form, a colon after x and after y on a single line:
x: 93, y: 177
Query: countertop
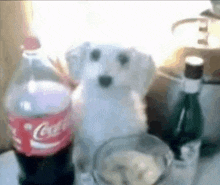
x: 208, y: 170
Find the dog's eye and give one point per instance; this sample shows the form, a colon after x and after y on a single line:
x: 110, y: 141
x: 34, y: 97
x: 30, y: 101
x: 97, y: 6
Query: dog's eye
x: 95, y: 55
x: 123, y: 58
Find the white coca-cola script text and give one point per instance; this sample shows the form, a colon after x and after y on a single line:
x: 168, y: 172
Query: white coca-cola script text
x: 45, y: 131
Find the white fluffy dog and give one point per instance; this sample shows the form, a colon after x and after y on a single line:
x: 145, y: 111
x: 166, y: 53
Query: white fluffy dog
x: 113, y: 83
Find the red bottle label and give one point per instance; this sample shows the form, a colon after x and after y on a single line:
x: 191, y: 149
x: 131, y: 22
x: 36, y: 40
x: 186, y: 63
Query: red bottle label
x: 41, y: 136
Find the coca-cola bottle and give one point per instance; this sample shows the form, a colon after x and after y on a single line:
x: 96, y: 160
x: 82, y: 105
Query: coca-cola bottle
x: 186, y: 137
x: 39, y: 109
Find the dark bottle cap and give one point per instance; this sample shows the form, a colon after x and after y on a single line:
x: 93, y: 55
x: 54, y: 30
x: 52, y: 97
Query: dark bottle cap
x: 31, y: 43
x: 194, y: 67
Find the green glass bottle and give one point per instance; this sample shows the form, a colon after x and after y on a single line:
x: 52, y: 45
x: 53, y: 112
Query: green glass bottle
x: 186, y: 138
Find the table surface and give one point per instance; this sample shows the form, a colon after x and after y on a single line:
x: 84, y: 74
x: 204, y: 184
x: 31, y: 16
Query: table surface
x: 208, y: 170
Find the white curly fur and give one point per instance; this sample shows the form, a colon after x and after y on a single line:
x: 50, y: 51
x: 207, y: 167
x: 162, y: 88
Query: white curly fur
x: 115, y: 110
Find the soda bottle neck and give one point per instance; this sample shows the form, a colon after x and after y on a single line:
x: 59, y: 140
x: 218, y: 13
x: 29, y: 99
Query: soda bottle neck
x: 33, y: 53
x: 33, y: 58
x: 192, y: 86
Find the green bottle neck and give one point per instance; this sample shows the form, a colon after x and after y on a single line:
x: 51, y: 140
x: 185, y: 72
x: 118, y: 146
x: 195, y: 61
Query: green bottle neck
x: 192, y: 86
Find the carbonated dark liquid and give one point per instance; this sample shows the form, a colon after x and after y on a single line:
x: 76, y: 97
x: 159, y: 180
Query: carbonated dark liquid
x: 48, y: 170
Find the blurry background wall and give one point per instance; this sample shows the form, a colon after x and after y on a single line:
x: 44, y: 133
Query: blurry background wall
x: 145, y: 25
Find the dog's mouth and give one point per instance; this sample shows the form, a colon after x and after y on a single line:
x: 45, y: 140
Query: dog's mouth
x: 105, y: 81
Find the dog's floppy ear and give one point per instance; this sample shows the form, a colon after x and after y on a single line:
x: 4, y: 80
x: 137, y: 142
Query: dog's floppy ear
x: 143, y: 68
x: 76, y: 58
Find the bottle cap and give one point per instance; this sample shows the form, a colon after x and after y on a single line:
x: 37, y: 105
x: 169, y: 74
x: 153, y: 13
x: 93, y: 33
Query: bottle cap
x: 194, y: 61
x: 194, y: 67
x: 31, y: 43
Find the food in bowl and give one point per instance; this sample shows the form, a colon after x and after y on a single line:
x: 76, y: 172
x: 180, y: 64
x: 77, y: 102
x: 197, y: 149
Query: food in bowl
x: 131, y: 168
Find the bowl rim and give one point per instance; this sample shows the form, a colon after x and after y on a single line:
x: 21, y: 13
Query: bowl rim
x: 106, y: 143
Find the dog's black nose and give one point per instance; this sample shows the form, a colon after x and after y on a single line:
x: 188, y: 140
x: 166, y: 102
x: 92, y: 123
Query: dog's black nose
x: 105, y: 81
